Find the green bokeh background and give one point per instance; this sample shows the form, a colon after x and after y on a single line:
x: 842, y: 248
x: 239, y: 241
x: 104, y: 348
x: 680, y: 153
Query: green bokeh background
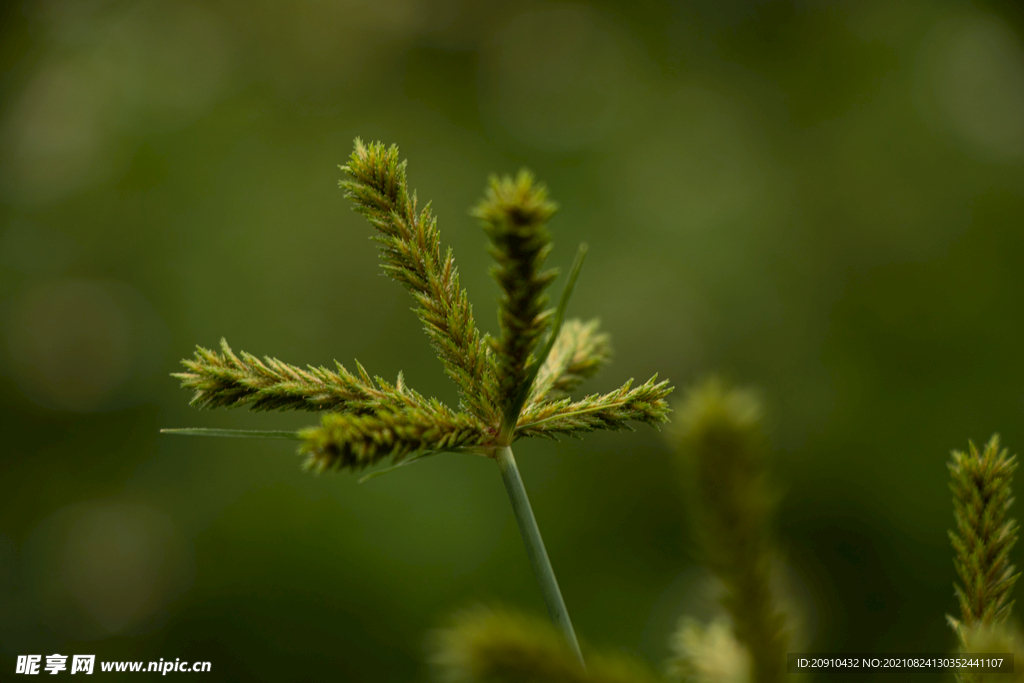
x: 824, y: 201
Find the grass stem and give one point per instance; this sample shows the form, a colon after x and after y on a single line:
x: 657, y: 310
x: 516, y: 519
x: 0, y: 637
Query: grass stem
x: 535, y: 548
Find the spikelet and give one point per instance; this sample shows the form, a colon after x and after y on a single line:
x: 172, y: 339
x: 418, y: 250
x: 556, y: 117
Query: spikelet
x: 346, y: 441
x: 514, y: 215
x: 410, y: 247
x: 981, y: 483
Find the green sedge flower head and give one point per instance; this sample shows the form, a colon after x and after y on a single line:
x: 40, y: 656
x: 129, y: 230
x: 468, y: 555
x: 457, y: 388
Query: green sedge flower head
x: 510, y: 386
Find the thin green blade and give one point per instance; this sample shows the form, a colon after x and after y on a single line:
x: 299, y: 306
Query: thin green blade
x: 233, y: 433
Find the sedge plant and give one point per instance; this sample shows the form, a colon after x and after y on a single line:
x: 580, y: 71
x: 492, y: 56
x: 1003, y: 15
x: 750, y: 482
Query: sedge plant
x: 513, y: 385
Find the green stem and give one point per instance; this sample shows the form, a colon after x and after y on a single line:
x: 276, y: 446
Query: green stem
x: 535, y: 547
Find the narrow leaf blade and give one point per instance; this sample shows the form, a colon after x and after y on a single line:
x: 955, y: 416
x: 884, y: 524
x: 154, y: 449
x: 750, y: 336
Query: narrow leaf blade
x: 233, y: 433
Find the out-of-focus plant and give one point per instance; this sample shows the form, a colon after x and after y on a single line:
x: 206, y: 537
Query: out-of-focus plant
x: 723, y: 456
x: 511, y: 386
x: 707, y: 653
x: 498, y: 645
x: 990, y: 641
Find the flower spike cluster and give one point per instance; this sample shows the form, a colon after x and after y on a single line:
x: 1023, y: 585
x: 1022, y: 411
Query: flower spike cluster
x: 510, y: 386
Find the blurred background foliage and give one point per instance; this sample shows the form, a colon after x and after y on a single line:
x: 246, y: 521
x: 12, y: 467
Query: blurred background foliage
x: 820, y: 199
